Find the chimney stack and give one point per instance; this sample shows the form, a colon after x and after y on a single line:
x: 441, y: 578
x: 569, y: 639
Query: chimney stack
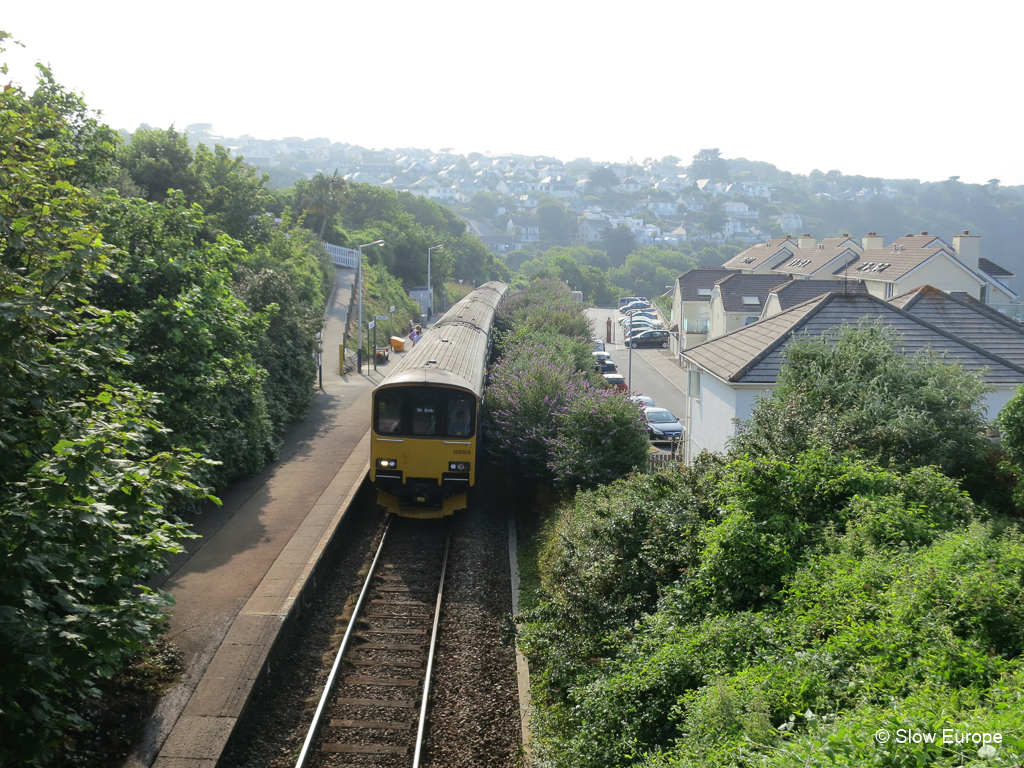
x: 968, y: 249
x: 806, y: 241
x: 871, y: 240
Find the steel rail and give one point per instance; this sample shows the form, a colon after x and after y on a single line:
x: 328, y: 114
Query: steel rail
x: 329, y: 685
x: 430, y: 655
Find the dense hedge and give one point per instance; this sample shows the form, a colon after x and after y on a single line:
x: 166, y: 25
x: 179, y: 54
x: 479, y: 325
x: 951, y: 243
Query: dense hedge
x: 145, y: 355
x: 778, y: 607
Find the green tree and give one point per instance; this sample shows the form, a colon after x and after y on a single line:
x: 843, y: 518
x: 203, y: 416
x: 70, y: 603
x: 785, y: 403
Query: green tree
x: 555, y: 225
x: 160, y: 160
x: 195, y: 339
x: 854, y: 390
x: 603, y: 177
x: 233, y: 197
x: 709, y: 164
x: 83, y: 489
x: 325, y: 197
x: 618, y: 242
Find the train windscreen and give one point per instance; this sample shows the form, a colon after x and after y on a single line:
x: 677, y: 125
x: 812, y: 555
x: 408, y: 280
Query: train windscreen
x: 419, y: 413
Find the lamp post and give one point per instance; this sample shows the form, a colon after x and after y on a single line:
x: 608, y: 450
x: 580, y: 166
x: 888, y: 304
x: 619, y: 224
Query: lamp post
x: 359, y: 278
x: 430, y: 288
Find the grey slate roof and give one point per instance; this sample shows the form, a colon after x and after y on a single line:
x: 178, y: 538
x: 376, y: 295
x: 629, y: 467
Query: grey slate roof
x: 993, y: 269
x: 968, y: 318
x: 704, y: 277
x: 754, y: 354
x: 798, y: 291
x: 739, y: 284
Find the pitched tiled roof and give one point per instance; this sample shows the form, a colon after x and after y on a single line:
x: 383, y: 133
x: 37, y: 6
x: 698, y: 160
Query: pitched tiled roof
x: 737, y: 285
x: 798, y: 291
x: 807, y: 261
x: 756, y: 255
x: 993, y: 269
x: 754, y: 354
x: 889, y: 265
x: 968, y: 318
x: 705, y: 277
x: 921, y: 241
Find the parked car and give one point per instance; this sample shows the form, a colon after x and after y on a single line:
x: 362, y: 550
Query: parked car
x: 662, y: 424
x: 605, y: 366
x: 626, y: 322
x: 643, y: 400
x: 652, y: 338
x: 601, y: 357
x: 635, y: 305
x: 636, y: 328
x: 639, y: 315
x: 629, y: 300
x: 598, y: 345
x: 616, y: 380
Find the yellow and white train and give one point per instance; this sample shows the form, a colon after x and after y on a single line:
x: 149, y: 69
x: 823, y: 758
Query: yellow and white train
x: 425, y: 422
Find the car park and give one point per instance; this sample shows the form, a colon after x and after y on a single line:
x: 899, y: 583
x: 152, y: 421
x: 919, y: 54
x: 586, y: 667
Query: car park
x: 662, y: 425
x: 616, y: 380
x: 652, y: 338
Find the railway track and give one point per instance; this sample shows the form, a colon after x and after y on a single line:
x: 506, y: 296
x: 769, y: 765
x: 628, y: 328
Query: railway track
x: 373, y: 708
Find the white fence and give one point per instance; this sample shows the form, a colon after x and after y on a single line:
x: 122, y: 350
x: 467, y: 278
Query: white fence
x: 343, y: 257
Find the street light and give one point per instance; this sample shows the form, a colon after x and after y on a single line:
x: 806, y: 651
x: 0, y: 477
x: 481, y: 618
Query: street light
x: 359, y: 278
x: 430, y: 289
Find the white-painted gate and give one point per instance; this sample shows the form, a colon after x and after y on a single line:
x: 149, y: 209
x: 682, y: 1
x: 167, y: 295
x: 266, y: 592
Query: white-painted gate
x: 343, y: 257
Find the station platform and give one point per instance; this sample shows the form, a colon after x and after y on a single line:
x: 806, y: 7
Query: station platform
x: 237, y: 586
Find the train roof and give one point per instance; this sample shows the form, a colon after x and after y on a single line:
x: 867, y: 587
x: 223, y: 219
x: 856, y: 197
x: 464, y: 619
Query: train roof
x: 454, y: 351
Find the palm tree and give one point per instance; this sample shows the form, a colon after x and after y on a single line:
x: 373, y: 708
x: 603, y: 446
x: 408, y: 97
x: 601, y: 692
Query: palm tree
x: 325, y: 196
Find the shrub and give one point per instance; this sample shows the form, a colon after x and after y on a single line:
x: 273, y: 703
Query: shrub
x: 600, y: 436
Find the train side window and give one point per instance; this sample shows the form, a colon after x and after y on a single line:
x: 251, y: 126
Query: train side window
x: 459, y: 410
x: 424, y: 415
x: 389, y: 413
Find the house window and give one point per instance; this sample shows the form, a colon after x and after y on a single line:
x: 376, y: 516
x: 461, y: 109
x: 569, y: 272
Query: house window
x: 751, y: 300
x: 984, y: 294
x: 704, y: 292
x: 693, y: 383
x: 751, y: 319
x: 890, y: 289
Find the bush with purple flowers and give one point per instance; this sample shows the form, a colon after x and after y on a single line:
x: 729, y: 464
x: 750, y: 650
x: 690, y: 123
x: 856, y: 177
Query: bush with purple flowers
x: 548, y: 415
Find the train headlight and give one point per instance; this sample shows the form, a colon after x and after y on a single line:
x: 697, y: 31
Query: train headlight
x: 387, y: 463
x: 458, y: 466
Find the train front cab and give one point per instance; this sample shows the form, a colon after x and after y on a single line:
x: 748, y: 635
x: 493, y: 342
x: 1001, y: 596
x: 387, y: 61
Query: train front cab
x: 423, y: 450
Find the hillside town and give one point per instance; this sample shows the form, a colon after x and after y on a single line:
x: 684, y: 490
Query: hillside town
x: 658, y: 195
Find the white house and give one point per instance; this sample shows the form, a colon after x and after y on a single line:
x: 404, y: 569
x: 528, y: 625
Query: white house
x: 727, y: 374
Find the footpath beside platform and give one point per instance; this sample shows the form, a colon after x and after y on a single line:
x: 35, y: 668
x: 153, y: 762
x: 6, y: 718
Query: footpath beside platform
x: 239, y: 584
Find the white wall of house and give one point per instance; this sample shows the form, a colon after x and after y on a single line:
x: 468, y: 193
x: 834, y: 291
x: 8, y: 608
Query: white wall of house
x: 938, y: 272
x: 712, y: 414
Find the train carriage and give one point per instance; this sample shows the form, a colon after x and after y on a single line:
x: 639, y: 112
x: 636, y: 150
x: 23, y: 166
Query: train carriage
x: 425, y: 420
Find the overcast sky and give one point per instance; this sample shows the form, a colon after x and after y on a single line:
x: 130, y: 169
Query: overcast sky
x: 898, y: 89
